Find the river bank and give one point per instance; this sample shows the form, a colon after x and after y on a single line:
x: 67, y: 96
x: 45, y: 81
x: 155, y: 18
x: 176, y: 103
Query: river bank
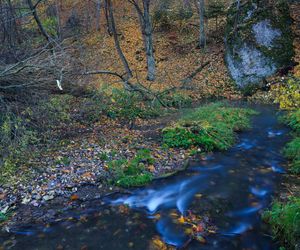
x: 247, y: 173
x: 89, y: 170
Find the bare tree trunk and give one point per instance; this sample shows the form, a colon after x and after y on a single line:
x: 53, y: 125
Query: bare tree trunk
x: 238, y: 6
x: 147, y: 32
x: 116, y: 39
x: 38, y: 20
x: 9, y: 30
x: 88, y: 16
x: 187, y: 5
x: 149, y: 42
x: 98, y: 17
x: 202, y: 37
x: 108, y: 23
x: 57, y: 6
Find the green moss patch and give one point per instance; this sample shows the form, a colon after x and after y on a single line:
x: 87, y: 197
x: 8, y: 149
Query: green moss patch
x: 132, y: 173
x: 209, y: 127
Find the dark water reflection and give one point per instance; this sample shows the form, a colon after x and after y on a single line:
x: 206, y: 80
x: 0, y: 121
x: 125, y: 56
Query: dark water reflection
x: 235, y: 186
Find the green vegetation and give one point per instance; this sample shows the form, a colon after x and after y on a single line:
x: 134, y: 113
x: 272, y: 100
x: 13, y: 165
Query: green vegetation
x: 15, y: 139
x: 3, y: 217
x: 292, y: 149
x: 177, y: 100
x: 209, y: 127
x: 293, y: 120
x: 288, y: 95
x: 129, y: 106
x: 132, y: 173
x: 63, y: 161
x: 135, y: 180
x: 285, y: 217
x: 40, y: 124
x: 292, y: 152
x: 21, y: 131
x: 285, y: 221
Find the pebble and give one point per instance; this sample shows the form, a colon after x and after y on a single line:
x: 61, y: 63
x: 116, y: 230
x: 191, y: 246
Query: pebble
x: 48, y: 197
x: 83, y: 166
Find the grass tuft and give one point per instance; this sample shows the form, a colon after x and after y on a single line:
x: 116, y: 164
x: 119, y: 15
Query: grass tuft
x: 285, y: 221
x: 292, y: 152
x: 292, y: 149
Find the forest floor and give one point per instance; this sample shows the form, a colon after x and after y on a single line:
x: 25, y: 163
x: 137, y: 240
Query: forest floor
x: 77, y: 171
x: 81, y: 159
x: 80, y: 163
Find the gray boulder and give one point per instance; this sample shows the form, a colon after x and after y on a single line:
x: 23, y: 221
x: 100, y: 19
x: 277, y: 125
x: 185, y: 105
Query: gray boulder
x: 258, y: 40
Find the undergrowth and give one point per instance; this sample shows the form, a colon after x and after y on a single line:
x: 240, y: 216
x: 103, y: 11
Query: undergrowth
x: 285, y: 221
x: 292, y: 149
x: 209, y: 127
x: 288, y: 93
x: 46, y: 120
x: 292, y: 152
x: 284, y: 217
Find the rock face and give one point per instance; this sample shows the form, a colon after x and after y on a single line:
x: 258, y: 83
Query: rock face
x: 258, y: 41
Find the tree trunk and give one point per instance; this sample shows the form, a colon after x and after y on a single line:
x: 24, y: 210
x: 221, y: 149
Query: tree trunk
x: 38, y: 21
x: 187, y: 5
x: 149, y: 42
x: 116, y: 39
x: 202, y: 37
x: 108, y: 23
x: 238, y: 5
x: 98, y: 10
x: 57, y: 6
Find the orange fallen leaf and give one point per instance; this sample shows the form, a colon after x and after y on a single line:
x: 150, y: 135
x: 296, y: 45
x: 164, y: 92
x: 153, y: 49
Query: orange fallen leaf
x: 181, y: 220
x: 74, y: 197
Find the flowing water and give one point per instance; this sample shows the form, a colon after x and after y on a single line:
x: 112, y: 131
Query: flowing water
x: 226, y: 189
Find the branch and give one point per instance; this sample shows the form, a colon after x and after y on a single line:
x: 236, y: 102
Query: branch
x: 37, y: 19
x: 103, y: 72
x: 189, y: 78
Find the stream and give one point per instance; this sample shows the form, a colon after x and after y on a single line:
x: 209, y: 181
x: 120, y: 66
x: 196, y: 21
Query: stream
x: 227, y: 190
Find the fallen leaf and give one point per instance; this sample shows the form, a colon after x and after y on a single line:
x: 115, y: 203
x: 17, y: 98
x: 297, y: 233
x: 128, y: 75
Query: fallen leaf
x: 74, y: 197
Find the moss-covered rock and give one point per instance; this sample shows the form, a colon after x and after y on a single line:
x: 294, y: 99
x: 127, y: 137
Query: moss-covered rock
x: 259, y: 40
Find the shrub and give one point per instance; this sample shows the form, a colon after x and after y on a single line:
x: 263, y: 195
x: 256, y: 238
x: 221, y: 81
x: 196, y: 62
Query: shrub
x: 209, y: 127
x: 285, y: 221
